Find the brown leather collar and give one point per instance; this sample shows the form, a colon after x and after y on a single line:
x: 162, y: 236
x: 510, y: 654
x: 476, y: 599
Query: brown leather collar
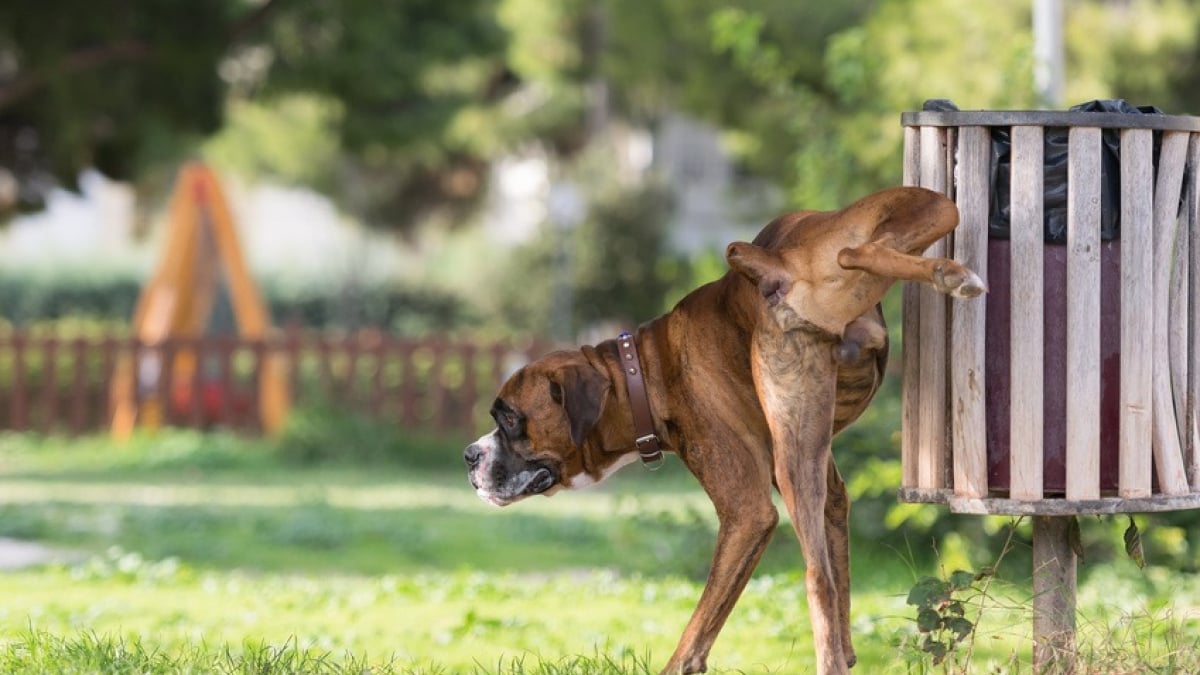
x: 645, y: 439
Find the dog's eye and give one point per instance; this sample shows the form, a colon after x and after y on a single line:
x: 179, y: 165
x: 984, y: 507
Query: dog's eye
x: 508, y: 421
x: 511, y: 422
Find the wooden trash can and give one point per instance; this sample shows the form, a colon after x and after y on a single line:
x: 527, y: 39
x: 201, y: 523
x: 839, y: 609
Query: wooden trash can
x: 1156, y: 328
x: 1082, y: 390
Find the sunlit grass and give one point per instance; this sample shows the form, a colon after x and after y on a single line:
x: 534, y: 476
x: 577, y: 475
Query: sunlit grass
x: 222, y: 561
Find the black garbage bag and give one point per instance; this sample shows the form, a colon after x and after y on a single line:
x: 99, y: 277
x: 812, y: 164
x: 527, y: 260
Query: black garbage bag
x: 1054, y: 176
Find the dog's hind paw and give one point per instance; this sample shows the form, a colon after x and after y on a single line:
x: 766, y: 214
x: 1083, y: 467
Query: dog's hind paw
x: 958, y: 282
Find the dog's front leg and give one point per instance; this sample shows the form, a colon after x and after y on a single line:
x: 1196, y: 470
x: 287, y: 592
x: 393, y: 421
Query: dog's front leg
x: 796, y: 377
x: 739, y: 484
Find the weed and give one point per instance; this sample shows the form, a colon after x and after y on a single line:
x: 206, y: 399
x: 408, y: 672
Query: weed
x: 941, y: 613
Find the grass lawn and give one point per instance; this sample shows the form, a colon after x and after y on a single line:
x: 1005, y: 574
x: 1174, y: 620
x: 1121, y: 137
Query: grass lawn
x: 185, y: 553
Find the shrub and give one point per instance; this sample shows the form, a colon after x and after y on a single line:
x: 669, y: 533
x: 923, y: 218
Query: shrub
x: 325, y: 435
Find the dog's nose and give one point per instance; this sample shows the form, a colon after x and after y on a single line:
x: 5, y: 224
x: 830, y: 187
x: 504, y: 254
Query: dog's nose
x: 473, y: 455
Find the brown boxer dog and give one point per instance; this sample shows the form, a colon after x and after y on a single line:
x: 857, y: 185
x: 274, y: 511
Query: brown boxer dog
x: 746, y: 380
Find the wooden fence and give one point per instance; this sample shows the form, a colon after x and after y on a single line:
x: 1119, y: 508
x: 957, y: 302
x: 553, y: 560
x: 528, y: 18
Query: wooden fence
x: 52, y: 384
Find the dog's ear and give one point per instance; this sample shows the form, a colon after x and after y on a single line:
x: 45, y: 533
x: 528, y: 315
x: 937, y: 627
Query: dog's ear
x: 581, y: 391
x: 762, y: 267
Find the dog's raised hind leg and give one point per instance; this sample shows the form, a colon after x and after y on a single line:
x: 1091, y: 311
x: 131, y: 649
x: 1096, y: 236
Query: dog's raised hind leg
x: 944, y: 274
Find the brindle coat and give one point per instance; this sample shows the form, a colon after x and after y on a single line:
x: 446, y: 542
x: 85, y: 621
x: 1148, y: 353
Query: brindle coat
x: 749, y: 377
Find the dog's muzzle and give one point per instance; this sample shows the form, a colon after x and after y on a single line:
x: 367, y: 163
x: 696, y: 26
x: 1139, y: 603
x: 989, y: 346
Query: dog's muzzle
x: 501, y: 477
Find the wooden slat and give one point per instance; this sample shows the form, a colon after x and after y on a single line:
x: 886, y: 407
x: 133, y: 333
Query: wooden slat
x: 195, y: 414
x: 49, y: 403
x: 249, y: 413
x: 910, y: 441
x: 79, y: 384
x: 1192, y: 225
x: 912, y: 156
x: 1177, y: 333
x: 469, y: 387
x: 1177, y: 329
x: 1137, y: 284
x: 1026, y: 455
x: 932, y: 406
x: 1168, y: 452
x: 20, y: 389
x: 1083, y: 314
x: 967, y: 325
x: 950, y: 185
x: 1048, y: 507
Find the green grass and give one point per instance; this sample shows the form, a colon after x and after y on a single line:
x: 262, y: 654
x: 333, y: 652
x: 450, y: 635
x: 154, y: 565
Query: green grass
x: 187, y: 553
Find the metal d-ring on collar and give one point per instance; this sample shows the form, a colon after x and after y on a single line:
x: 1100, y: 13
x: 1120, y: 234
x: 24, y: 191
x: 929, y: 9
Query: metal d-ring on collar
x: 639, y: 403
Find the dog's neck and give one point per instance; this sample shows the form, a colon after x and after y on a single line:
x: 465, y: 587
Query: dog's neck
x: 646, y: 439
x: 621, y: 437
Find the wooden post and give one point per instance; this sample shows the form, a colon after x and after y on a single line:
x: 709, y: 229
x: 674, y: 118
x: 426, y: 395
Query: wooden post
x: 1053, y: 595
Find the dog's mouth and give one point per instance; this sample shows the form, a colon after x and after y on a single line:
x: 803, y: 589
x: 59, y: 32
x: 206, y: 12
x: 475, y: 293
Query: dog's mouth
x: 525, y: 483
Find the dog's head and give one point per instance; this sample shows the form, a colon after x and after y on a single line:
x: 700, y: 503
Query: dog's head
x: 546, y: 436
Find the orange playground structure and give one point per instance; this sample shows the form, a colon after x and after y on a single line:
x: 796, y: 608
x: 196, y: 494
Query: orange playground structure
x: 202, y: 268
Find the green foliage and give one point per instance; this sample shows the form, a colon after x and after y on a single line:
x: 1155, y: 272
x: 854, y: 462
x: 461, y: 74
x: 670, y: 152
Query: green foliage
x: 1145, y: 51
x: 26, y: 298
x: 620, y: 267
x: 293, y: 137
x: 73, y: 85
x: 615, y: 265
x: 405, y: 309
x: 398, y: 108
x: 941, y: 614
x: 1133, y: 544
x: 334, y: 435
x: 404, y: 93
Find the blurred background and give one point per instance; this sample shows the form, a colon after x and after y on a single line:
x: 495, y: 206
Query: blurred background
x: 494, y: 168
x: 426, y: 194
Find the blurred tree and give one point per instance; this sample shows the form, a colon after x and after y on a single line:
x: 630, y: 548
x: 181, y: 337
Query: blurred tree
x: 830, y: 132
x: 403, y: 104
x: 755, y: 69
x: 87, y: 86
x: 619, y: 270
x: 122, y: 88
x: 839, y: 138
